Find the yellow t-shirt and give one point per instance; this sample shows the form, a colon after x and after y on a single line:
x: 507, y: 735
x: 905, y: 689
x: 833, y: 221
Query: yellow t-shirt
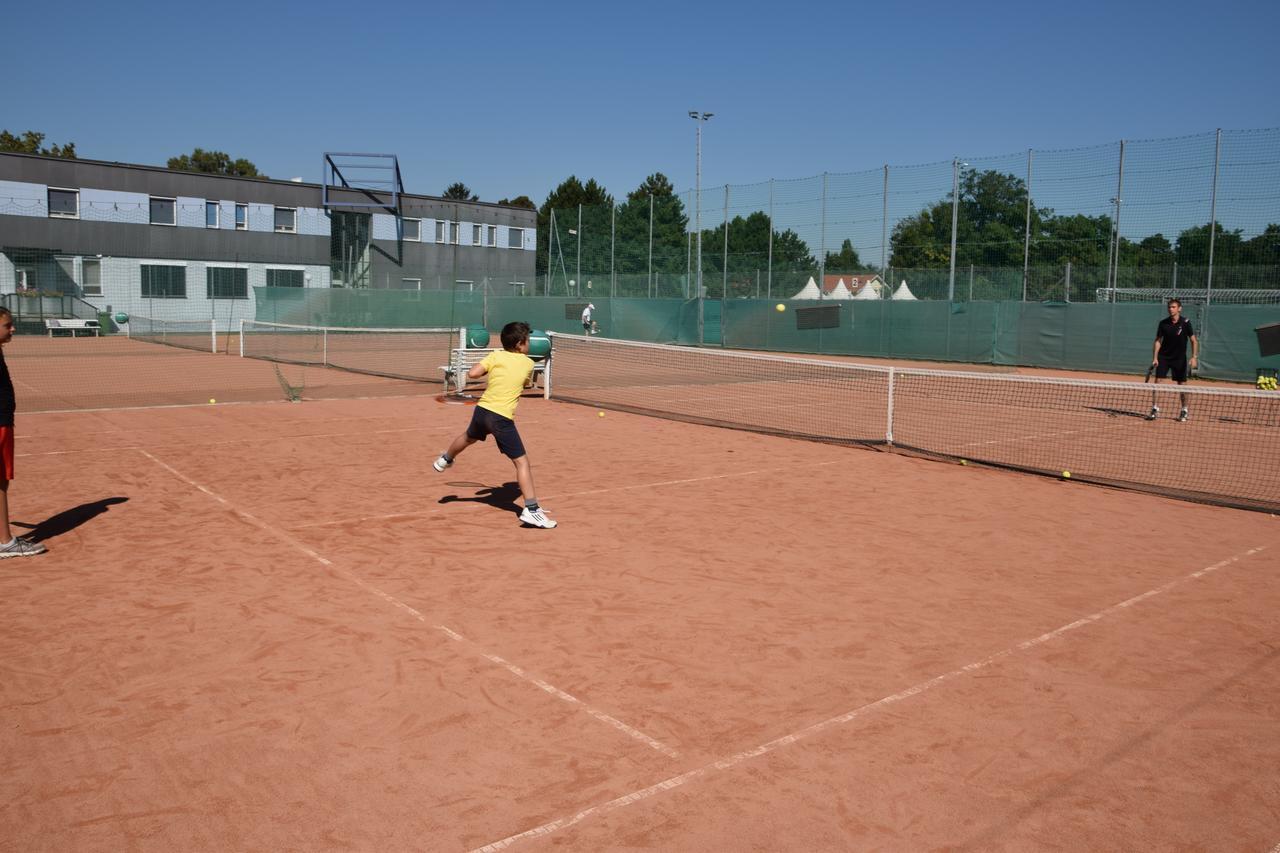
x: 508, y: 373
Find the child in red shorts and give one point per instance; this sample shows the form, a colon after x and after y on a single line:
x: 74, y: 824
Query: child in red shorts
x: 10, y: 545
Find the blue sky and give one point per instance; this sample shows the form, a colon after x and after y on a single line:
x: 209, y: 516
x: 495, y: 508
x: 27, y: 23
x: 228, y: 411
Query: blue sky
x: 512, y: 98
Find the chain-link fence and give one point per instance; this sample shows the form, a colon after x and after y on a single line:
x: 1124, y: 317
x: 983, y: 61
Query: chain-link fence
x: 1197, y: 214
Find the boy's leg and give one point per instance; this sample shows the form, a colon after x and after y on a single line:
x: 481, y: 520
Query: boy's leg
x: 533, y: 513
x: 459, y: 444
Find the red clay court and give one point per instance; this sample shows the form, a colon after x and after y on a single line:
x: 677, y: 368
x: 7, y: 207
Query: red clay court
x: 271, y: 626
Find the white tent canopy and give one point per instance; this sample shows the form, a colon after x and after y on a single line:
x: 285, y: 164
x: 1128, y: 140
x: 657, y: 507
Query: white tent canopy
x: 868, y: 291
x: 903, y: 292
x: 809, y: 291
x: 840, y: 291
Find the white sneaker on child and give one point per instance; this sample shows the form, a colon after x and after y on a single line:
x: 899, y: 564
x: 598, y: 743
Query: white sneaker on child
x: 441, y: 463
x: 536, y: 517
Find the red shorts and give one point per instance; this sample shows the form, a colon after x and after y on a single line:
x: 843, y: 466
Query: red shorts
x: 6, y: 452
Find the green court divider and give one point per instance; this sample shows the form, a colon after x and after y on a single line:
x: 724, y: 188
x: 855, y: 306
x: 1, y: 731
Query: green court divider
x: 1104, y: 337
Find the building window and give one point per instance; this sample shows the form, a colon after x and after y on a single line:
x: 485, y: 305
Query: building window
x: 164, y: 282
x: 286, y: 220
x: 163, y: 211
x: 226, y: 283
x: 440, y: 231
x: 242, y: 217
x: 477, y: 234
x: 284, y: 278
x: 491, y: 235
x: 91, y: 276
x: 64, y: 204
x: 454, y: 228
x: 515, y: 238
x: 411, y: 284
x: 412, y: 230
x: 212, y: 215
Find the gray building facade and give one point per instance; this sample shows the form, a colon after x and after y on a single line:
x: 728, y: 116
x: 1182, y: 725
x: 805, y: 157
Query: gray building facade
x: 180, y: 245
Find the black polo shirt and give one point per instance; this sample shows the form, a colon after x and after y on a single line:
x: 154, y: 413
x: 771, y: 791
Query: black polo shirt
x: 1173, y: 338
x: 7, y: 402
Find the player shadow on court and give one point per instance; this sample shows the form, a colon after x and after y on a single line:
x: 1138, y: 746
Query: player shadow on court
x: 67, y: 520
x: 506, y: 496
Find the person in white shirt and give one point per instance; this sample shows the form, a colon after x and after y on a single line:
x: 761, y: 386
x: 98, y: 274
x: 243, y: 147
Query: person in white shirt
x: 588, y: 327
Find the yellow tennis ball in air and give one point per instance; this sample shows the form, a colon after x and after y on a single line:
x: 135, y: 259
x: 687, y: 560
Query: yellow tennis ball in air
x: 780, y: 307
x: 600, y: 414
x: 1066, y: 475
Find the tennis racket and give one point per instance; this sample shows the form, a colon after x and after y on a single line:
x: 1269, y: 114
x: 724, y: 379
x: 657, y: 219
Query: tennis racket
x: 1151, y: 371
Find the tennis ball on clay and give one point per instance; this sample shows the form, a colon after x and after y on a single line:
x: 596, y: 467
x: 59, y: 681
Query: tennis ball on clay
x: 1066, y: 475
x: 964, y: 461
x: 600, y: 414
x: 779, y: 307
x: 211, y: 400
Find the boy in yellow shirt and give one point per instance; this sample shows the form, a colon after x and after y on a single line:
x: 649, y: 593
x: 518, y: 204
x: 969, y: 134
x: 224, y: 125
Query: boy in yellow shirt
x: 509, y: 372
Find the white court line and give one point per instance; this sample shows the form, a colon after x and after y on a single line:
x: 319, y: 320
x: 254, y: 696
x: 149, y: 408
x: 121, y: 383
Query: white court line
x: 555, y: 497
x: 809, y: 731
x: 613, y: 722
x: 255, y: 440
x: 1276, y: 849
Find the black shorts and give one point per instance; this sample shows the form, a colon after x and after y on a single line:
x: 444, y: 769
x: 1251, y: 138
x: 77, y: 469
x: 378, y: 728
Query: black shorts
x: 587, y: 326
x: 1175, y: 366
x: 485, y: 423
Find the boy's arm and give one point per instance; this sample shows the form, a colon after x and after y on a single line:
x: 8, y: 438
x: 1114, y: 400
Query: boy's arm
x: 477, y: 371
x: 1195, y: 348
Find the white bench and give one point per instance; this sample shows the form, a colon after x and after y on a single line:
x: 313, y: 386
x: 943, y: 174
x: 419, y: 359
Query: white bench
x: 71, y: 325
x: 462, y: 359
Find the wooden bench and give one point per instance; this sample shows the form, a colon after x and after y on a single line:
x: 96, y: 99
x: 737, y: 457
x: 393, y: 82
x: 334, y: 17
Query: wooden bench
x: 462, y: 359
x: 71, y: 325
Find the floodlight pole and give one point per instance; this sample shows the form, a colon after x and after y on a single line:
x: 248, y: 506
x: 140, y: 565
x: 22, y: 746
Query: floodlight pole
x: 699, y: 117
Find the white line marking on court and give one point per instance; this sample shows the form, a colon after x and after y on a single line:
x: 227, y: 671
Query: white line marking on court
x: 1276, y: 849
x: 555, y: 497
x: 809, y: 731
x: 257, y: 440
x: 601, y: 716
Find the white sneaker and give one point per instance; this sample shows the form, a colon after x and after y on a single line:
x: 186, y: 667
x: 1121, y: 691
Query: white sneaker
x: 1155, y: 412
x: 536, y: 517
x: 441, y: 463
x: 20, y: 547
x: 1183, y: 415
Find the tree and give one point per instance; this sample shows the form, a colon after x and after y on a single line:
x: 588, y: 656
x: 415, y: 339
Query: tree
x: 1193, y: 246
x: 670, y: 228
x: 749, y: 253
x: 520, y: 201
x: 845, y: 260
x: 460, y: 192
x: 30, y: 143
x: 214, y: 163
x: 991, y: 227
x: 565, y: 200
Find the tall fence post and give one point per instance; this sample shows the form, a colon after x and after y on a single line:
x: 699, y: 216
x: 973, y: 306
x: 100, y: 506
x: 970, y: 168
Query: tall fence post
x: 613, y: 233
x: 884, y: 226
x: 822, y: 250
x: 724, y: 279
x: 1026, y: 237
x: 770, y: 270
x: 1066, y: 282
x: 1213, y: 215
x: 955, y: 216
x: 579, y: 236
x: 1113, y: 239
x: 650, y: 288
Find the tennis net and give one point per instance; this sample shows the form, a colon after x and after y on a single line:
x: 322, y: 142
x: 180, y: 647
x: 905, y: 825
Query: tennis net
x: 1101, y: 432
x: 415, y: 354
x: 199, y: 335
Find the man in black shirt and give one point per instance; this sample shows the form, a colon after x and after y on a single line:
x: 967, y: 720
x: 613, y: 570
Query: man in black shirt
x: 1169, y: 356
x: 10, y: 545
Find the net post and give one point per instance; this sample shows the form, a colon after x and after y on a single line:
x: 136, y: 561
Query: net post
x: 242, y: 337
x: 888, y: 432
x: 213, y: 336
x: 546, y: 373
x: 324, y: 338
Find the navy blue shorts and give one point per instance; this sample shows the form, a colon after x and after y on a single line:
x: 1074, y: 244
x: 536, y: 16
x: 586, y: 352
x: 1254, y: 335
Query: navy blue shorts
x: 485, y: 423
